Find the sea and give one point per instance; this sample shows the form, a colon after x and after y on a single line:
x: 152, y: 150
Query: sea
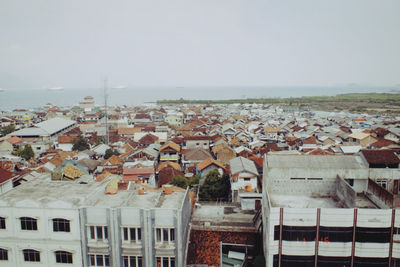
x: 25, y: 98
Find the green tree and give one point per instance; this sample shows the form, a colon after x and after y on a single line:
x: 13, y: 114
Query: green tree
x: 194, y: 180
x: 99, y: 141
x: 7, y: 129
x: 110, y: 152
x: 81, y: 144
x: 26, y: 152
x: 179, y: 181
x: 215, y: 187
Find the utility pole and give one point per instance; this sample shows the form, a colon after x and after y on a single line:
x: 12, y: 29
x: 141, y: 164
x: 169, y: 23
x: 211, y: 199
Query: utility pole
x: 105, y: 106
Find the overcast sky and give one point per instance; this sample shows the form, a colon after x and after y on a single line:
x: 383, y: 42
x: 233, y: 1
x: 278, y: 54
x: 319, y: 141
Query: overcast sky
x: 199, y: 42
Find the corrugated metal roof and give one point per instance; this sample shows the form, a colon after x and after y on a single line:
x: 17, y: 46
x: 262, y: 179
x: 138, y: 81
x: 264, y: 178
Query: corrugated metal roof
x: 240, y: 164
x: 45, y: 128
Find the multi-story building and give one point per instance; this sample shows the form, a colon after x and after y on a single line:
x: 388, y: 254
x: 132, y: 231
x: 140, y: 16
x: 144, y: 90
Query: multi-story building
x: 328, y: 211
x: 64, y: 223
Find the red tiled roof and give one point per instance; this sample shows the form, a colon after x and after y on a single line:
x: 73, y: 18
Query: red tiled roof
x: 148, y: 139
x: 204, y: 246
x: 166, y: 174
x: 382, y: 143
x: 5, y: 175
x: 319, y: 151
x: 380, y: 156
x: 14, y: 140
x: 310, y: 140
x: 64, y: 139
x: 133, y: 171
x: 200, y: 137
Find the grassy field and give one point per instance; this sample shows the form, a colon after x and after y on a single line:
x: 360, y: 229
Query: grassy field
x: 356, y: 102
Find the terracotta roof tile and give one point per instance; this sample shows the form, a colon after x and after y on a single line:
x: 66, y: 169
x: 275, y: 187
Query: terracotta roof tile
x: 172, y: 145
x: 207, y: 162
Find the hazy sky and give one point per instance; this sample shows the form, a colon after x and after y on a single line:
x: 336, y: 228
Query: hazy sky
x: 199, y: 42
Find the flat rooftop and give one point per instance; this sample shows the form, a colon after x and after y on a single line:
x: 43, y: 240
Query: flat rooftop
x: 320, y: 162
x: 226, y: 215
x: 42, y: 192
x: 306, y: 201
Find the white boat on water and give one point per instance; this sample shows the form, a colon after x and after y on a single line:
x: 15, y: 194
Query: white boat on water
x: 55, y: 88
x: 119, y: 87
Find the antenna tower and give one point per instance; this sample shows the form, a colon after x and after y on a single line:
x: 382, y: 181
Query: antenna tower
x: 106, y: 110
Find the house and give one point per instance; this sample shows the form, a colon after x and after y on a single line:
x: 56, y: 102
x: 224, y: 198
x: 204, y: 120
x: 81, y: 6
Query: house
x: 166, y: 171
x: 170, y: 152
x: 6, y: 146
x: 197, y: 142
x: 208, y: 165
x: 147, y: 140
x: 112, y: 165
x: 244, y: 175
x: 148, y: 153
x: 364, y: 139
x: 128, y: 132
x: 65, y: 143
x: 173, y: 120
x: 142, y: 118
x: 145, y: 176
x: 191, y: 157
x: 224, y: 153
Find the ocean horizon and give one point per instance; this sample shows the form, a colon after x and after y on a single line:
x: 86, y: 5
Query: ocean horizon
x: 67, y: 97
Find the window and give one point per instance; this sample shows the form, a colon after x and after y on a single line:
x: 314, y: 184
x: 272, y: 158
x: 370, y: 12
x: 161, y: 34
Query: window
x: 98, y: 233
x: 246, y: 179
x: 132, y: 261
x: 99, y: 260
x: 60, y: 225
x: 372, y: 235
x: 31, y: 255
x: 63, y: 257
x: 28, y: 223
x: 296, y: 233
x: 132, y: 234
x: 165, y: 234
x: 3, y: 254
x: 165, y: 262
x: 2, y: 223
x: 382, y: 182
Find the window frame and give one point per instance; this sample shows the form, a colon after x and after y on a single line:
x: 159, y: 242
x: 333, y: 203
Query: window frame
x: 31, y: 255
x: 165, y: 235
x: 382, y: 182
x: 132, y: 261
x: 131, y: 234
x: 28, y: 222
x: 68, y: 257
x: 97, y: 233
x: 105, y: 258
x: 3, y: 224
x: 3, y: 254
x: 66, y: 225
x: 171, y: 262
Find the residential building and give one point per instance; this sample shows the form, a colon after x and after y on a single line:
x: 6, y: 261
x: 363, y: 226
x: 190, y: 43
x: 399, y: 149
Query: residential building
x: 74, y: 223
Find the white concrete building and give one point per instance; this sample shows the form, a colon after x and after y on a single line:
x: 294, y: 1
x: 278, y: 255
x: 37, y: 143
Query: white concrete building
x: 62, y: 223
x: 322, y: 211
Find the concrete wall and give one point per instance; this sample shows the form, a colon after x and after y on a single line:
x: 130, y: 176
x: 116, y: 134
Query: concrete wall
x: 6, y: 186
x: 345, y: 192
